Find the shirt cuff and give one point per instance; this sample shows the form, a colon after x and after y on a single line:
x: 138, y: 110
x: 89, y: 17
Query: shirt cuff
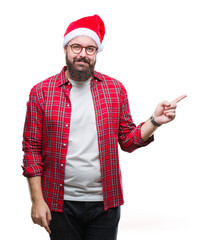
x: 142, y: 143
x: 32, y: 170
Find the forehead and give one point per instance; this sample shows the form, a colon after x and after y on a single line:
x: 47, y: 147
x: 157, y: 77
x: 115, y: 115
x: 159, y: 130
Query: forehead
x: 83, y: 40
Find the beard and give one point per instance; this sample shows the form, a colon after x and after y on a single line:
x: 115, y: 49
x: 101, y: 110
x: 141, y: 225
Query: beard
x: 80, y: 75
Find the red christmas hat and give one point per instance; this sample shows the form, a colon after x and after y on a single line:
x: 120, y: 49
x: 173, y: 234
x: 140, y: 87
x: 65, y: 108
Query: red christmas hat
x: 91, y: 26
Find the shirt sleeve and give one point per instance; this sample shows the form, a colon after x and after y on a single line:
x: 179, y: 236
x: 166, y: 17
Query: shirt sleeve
x: 129, y: 134
x: 32, y: 138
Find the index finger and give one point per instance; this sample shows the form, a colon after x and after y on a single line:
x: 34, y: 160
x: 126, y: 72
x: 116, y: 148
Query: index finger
x: 177, y: 100
x: 47, y: 228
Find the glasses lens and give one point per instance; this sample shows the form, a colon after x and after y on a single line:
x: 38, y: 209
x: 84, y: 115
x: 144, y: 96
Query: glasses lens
x: 90, y: 50
x: 76, y: 48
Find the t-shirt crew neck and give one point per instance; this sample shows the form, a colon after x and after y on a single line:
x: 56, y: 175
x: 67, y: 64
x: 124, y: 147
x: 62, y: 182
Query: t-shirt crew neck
x: 80, y: 83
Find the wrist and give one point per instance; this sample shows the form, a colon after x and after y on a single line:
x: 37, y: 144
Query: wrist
x: 37, y: 198
x: 154, y: 122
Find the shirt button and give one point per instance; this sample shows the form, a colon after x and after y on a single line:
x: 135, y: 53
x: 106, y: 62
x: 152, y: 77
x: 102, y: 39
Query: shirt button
x: 61, y: 185
x: 64, y: 144
x: 68, y: 105
x: 66, y: 125
x: 61, y: 165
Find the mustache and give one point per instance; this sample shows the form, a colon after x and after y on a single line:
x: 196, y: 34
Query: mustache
x: 81, y: 59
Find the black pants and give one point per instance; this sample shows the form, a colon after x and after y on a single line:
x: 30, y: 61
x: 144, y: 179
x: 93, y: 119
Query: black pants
x: 85, y: 221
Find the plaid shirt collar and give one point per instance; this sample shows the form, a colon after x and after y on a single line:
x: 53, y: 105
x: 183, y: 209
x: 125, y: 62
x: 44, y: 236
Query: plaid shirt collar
x: 62, y: 79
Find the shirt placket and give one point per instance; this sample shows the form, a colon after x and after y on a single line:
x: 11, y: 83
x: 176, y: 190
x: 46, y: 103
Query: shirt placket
x: 66, y: 123
x: 100, y: 137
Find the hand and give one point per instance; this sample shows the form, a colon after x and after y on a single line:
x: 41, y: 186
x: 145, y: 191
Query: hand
x: 166, y: 111
x: 41, y: 214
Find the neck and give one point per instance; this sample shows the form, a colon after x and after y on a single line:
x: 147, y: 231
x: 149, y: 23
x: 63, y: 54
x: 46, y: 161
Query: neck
x: 67, y: 75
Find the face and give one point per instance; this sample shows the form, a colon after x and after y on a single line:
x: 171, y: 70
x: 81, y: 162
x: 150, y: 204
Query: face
x: 80, y: 66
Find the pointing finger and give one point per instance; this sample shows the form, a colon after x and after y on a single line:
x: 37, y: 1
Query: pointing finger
x: 177, y: 100
x: 47, y: 229
x: 46, y: 226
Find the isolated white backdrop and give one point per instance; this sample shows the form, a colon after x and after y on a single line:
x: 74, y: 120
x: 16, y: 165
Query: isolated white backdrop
x: 158, y: 49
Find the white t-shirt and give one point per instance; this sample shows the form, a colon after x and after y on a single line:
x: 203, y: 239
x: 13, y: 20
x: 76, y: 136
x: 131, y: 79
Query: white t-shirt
x: 82, y: 169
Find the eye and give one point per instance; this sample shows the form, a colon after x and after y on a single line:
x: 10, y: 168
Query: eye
x: 76, y: 47
x: 91, y: 49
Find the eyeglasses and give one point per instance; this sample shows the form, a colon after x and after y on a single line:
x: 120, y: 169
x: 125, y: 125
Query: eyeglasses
x: 77, y: 48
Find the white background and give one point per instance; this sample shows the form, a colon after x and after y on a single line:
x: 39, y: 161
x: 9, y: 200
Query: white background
x: 158, y: 49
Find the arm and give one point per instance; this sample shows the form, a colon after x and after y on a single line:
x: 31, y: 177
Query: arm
x: 40, y: 212
x: 129, y: 134
x: 147, y: 130
x: 32, y: 137
x: 33, y: 163
x: 164, y: 113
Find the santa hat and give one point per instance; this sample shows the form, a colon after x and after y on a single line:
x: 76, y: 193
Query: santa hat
x: 91, y: 26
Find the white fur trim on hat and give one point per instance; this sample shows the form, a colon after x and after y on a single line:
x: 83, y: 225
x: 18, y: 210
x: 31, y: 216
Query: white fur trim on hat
x: 83, y: 32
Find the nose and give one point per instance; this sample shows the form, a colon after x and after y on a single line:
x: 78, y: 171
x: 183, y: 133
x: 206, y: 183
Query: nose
x: 83, y: 52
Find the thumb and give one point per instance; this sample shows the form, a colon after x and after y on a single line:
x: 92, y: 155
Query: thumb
x: 49, y: 217
x: 165, y: 104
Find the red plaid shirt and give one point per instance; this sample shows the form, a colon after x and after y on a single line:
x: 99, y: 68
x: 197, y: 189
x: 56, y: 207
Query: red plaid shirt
x: 46, y: 134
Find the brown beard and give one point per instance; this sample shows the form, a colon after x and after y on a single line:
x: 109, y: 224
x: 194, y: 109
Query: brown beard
x: 80, y: 75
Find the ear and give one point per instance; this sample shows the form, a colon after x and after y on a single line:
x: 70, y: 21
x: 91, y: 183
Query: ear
x: 65, y: 49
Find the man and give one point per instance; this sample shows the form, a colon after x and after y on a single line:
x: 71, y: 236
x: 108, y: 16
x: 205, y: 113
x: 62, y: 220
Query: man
x: 73, y: 125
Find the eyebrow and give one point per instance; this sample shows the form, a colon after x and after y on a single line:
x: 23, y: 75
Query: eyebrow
x: 83, y: 45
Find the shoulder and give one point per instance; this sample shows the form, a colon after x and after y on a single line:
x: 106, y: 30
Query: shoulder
x: 109, y: 81
x: 48, y: 84
x: 44, y: 84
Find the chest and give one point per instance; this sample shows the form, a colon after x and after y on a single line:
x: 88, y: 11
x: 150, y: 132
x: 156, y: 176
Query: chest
x: 98, y: 100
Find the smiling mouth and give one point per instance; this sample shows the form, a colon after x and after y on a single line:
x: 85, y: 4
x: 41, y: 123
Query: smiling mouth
x: 81, y: 61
